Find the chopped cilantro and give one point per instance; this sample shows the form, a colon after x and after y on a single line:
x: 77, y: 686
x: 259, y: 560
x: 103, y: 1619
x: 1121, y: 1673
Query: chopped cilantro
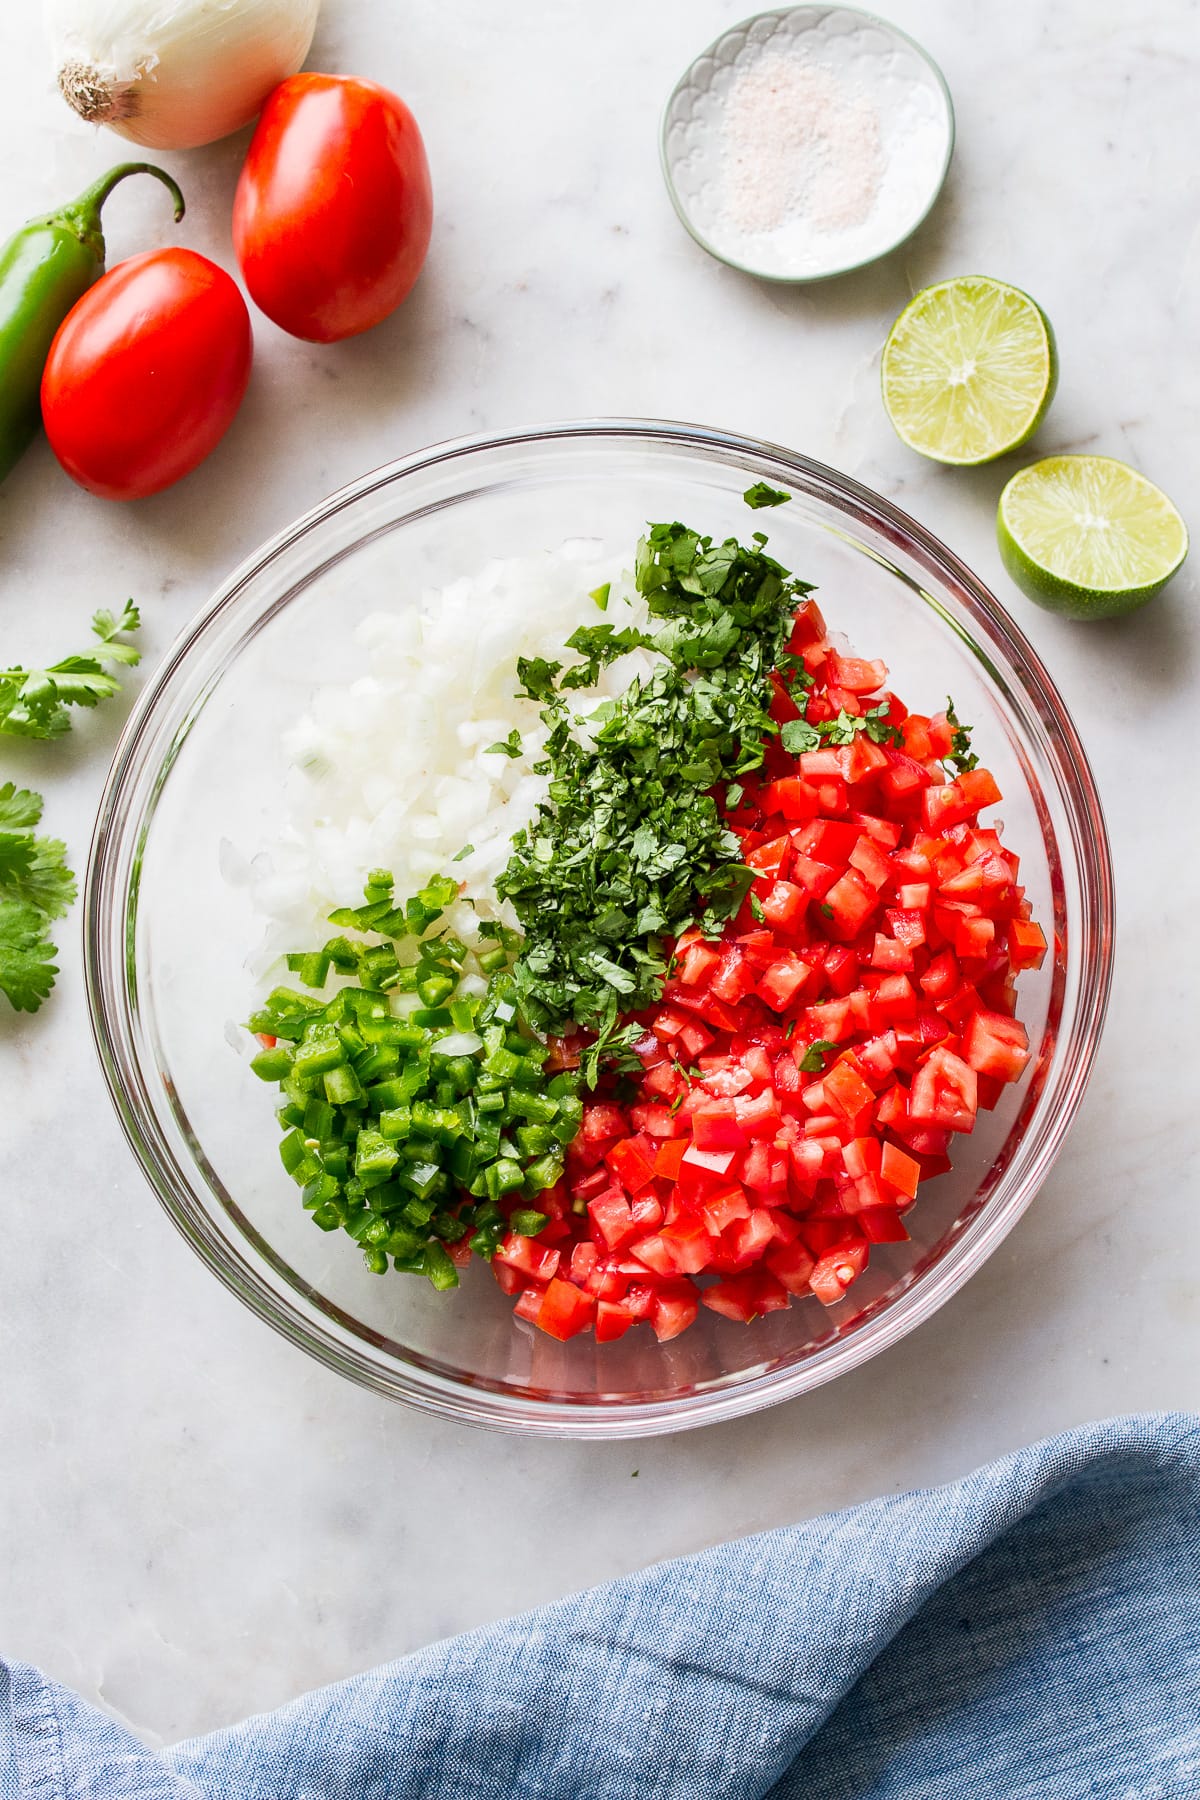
x: 630, y: 847
x: 600, y: 595
x: 813, y: 1060
x: 510, y: 747
x: 756, y: 909
x: 797, y: 735
x: 961, y: 757
x: 467, y: 850
x: 762, y: 495
x: 536, y: 677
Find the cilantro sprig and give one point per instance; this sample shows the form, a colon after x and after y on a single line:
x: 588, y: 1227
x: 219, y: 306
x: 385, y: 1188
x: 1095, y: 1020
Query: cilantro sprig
x: 630, y: 847
x: 35, y: 703
x: 798, y: 735
x: 36, y: 887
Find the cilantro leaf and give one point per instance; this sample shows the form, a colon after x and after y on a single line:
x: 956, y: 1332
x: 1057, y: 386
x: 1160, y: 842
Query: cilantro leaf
x: 797, y: 736
x: 107, y: 628
x: 35, y: 886
x: 536, y: 676
x: 19, y: 808
x: 961, y: 758
x: 27, y: 966
x: 16, y: 856
x: 762, y: 495
x: 34, y: 703
x: 510, y: 747
x: 48, y: 883
x: 813, y: 1060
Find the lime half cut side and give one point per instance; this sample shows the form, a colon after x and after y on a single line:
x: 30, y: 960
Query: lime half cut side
x: 1088, y: 536
x: 969, y: 369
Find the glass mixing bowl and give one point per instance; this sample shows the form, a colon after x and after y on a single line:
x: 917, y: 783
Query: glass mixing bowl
x: 197, y: 785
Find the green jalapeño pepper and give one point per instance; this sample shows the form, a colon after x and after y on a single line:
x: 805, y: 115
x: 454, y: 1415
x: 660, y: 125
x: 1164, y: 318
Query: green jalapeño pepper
x: 44, y: 269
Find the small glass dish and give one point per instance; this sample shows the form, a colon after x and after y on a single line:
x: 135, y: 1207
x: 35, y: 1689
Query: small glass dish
x: 889, y: 88
x: 197, y: 786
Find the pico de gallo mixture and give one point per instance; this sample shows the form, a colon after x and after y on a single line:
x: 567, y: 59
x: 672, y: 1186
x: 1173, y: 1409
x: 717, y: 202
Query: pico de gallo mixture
x: 763, y: 970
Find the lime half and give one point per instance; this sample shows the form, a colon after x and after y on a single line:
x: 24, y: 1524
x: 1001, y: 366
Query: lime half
x: 1088, y: 536
x: 969, y: 369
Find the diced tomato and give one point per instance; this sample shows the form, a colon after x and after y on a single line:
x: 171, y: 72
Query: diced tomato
x: 714, y: 1162
x: 672, y: 1310
x: 855, y: 675
x: 898, y: 1171
x: 837, y: 1269
x: 1026, y: 944
x: 722, y: 1208
x: 745, y: 1297
x: 715, y: 1126
x: 791, y: 1265
x: 881, y: 1225
x: 996, y: 1045
x: 601, y: 1122
x: 529, y: 1303
x: 669, y: 1158
x: 565, y: 1310
x: 785, y: 978
x: 871, y: 862
x: 850, y: 903
x: 584, y: 1258
x: 808, y: 628
x: 632, y: 1162
x: 784, y: 905
x: 656, y: 1121
x: 944, y: 1092
x: 612, y: 1218
x: 612, y: 1321
x: 698, y: 962
x: 772, y: 857
x: 693, y: 1039
x: 885, y: 923
x: 846, y: 1090
x: 527, y: 1256
x: 791, y: 796
x: 676, y: 1250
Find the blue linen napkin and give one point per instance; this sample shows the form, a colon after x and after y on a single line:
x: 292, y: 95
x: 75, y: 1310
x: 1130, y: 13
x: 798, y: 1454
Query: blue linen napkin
x: 1030, y: 1631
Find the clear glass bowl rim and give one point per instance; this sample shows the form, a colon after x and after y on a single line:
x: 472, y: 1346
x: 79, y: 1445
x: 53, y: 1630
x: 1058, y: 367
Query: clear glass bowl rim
x: 126, y: 811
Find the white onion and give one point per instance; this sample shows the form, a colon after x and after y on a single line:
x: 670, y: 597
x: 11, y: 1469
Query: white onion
x: 458, y: 1043
x: 392, y: 770
x: 172, y: 74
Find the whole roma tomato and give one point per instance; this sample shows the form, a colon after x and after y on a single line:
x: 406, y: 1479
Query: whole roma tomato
x: 146, y: 373
x: 334, y: 208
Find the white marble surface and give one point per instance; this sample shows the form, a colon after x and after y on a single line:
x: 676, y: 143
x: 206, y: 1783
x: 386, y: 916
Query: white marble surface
x: 197, y: 1521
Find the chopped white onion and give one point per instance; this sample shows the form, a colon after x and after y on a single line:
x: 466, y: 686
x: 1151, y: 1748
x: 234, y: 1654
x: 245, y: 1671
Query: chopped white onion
x: 394, y: 771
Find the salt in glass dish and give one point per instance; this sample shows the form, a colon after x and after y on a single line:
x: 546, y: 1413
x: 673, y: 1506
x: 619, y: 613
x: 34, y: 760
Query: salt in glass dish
x: 869, y: 57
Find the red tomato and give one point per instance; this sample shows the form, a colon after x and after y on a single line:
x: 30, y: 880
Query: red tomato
x: 334, y: 208
x: 146, y: 373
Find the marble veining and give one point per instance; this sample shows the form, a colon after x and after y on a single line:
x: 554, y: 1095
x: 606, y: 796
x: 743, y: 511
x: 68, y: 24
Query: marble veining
x: 198, y: 1522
